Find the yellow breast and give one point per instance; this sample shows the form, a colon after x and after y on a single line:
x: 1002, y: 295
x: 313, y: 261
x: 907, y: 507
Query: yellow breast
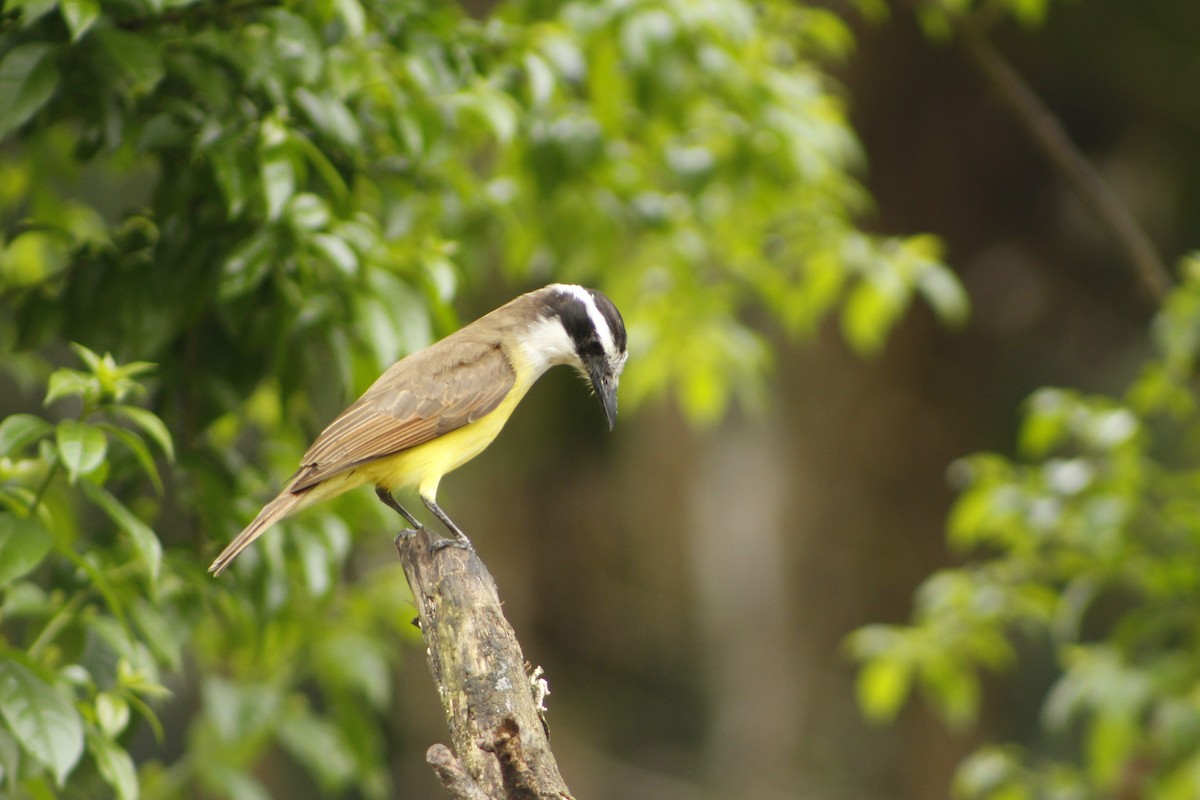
x: 423, y: 466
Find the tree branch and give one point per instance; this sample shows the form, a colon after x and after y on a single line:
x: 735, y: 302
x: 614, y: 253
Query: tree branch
x: 501, y: 747
x: 1049, y: 135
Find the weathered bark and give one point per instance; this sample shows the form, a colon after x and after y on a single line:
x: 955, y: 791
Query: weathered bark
x: 501, y: 748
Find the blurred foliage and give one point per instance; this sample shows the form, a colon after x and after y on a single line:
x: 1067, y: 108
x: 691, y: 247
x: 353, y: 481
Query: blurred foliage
x: 1090, y: 541
x: 937, y: 17
x: 272, y: 201
x: 95, y: 615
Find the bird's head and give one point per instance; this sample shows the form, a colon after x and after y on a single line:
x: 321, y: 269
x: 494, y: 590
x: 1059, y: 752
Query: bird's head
x: 595, y: 338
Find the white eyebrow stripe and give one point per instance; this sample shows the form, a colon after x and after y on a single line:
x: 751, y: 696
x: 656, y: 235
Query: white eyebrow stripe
x: 598, y: 321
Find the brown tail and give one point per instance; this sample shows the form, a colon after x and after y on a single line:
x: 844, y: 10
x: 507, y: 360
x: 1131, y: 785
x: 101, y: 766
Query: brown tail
x: 274, y: 511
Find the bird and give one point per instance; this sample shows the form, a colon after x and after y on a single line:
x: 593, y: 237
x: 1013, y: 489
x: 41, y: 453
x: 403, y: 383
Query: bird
x: 437, y: 408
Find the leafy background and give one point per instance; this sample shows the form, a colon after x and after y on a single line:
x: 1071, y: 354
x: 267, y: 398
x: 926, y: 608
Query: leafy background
x: 220, y: 221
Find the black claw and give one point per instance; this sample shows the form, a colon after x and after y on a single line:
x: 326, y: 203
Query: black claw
x: 442, y: 544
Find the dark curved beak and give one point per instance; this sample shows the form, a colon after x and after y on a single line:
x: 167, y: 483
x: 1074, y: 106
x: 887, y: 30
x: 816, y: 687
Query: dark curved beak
x: 605, y: 385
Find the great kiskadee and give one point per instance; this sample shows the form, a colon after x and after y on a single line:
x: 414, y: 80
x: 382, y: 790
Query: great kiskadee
x: 438, y: 408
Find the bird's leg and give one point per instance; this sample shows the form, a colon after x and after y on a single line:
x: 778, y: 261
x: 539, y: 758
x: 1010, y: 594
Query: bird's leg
x: 386, y: 497
x: 460, y: 539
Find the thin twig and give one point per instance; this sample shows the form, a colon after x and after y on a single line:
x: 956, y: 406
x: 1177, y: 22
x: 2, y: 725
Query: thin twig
x: 1050, y: 136
x: 453, y: 774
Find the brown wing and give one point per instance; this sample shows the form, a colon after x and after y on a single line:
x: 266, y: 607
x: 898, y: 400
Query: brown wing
x: 430, y: 393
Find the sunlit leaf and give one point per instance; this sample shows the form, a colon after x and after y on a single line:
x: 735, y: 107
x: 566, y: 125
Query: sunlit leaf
x: 24, y: 542
x: 20, y: 430
x: 870, y: 311
x: 1112, y: 739
x: 28, y: 78
x: 337, y: 252
x: 81, y: 447
x: 33, y: 257
x: 883, y: 686
x: 46, y: 725
x: 247, y: 266
x: 331, y: 117
x: 115, y: 766
x: 71, y: 383
x: 79, y: 15
x: 112, y: 713
x: 278, y: 175
x: 985, y: 772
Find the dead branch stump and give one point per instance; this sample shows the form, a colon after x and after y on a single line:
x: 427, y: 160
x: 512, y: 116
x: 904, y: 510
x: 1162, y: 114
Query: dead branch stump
x: 501, y: 749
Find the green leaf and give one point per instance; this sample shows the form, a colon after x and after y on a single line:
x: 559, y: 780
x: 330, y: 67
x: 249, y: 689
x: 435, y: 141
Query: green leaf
x: 112, y: 713
x: 160, y: 634
x: 137, y: 55
x: 79, y: 15
x: 47, y: 725
x: 81, y: 447
x: 145, y: 542
x: 279, y: 182
x: 296, y: 44
x: 23, y: 545
x: 32, y: 257
x: 1111, y: 741
x: 330, y: 116
x: 870, y: 311
x: 985, y: 772
x: 28, y: 77
x: 137, y: 446
x: 969, y: 516
x: 115, y: 766
x: 90, y: 358
x: 32, y: 10
x: 352, y: 15
x: 308, y: 212
x: 247, y: 266
x: 71, y: 383
x: 358, y: 662
x: 945, y: 294
x: 883, y: 686
x: 241, y: 710
x: 19, y: 430
x: 10, y: 757
x: 318, y: 745
x: 1029, y: 12
x: 238, y: 785
x: 151, y: 425
x: 234, y: 172
x: 335, y: 250
x: 954, y: 690
x: 494, y: 110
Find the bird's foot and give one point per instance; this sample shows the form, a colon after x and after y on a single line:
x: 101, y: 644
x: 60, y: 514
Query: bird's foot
x: 459, y: 540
